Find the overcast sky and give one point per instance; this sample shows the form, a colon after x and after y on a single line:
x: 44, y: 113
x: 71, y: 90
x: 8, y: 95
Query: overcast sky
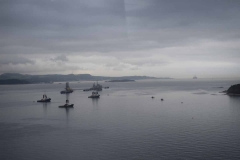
x: 162, y: 38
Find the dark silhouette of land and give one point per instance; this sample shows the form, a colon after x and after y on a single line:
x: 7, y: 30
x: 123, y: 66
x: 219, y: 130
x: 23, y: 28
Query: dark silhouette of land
x: 16, y: 78
x: 234, y: 90
x: 13, y: 81
x: 121, y: 80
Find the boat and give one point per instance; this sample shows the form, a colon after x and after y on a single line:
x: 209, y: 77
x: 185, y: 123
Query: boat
x: 67, y: 105
x: 45, y: 99
x: 95, y: 87
x: 67, y: 89
x: 65, y: 92
x: 195, y: 77
x: 94, y: 95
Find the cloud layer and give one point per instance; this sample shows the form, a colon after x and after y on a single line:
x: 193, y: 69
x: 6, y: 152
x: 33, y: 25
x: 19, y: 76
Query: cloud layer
x: 125, y: 37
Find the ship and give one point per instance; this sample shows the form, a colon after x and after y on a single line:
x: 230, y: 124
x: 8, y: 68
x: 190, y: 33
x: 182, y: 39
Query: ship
x: 67, y: 105
x: 94, y: 95
x: 95, y: 87
x: 45, y: 99
x: 67, y: 89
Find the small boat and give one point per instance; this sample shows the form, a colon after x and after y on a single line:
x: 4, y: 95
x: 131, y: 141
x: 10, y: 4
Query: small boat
x: 94, y: 95
x: 67, y: 89
x: 45, y: 99
x: 66, y: 106
x: 95, y: 87
x: 65, y: 92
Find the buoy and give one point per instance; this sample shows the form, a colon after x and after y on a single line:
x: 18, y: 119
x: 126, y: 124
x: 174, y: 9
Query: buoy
x: 152, y: 97
x: 161, y: 99
x: 181, y: 102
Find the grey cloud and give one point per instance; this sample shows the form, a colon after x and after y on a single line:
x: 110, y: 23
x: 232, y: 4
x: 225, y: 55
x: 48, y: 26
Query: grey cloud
x: 146, y: 61
x: 174, y: 23
x: 41, y: 67
x: 60, y: 27
x: 34, y: 27
x: 116, y: 66
x: 127, y: 31
x: 60, y: 58
x: 134, y: 68
x: 14, y: 59
x: 186, y: 12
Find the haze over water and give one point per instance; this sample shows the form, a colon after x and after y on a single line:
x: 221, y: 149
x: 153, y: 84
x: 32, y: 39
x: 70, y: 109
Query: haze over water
x: 125, y: 123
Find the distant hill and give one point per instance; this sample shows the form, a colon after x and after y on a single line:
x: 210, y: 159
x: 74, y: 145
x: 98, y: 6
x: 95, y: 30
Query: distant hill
x: 121, y: 80
x: 70, y: 77
x: 13, y: 81
x: 234, y: 90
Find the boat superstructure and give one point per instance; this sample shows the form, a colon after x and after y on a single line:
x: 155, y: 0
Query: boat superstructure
x: 94, y: 95
x: 45, y: 99
x: 67, y: 105
x: 67, y: 89
x: 95, y: 87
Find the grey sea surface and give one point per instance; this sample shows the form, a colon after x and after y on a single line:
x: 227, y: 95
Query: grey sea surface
x: 194, y: 121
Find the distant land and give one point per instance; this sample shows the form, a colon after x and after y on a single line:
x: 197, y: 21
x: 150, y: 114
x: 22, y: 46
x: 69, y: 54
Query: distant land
x: 16, y: 78
x: 121, y: 80
x: 13, y: 81
x: 234, y: 90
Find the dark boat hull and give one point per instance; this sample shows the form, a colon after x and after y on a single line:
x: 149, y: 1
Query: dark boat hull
x: 67, y: 106
x: 46, y: 100
x: 94, y: 96
x: 66, y: 92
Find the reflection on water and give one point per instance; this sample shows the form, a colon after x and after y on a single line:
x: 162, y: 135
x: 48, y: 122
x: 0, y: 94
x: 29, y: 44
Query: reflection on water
x: 67, y: 96
x: 45, y: 107
x: 234, y: 102
x: 67, y: 113
x: 95, y: 102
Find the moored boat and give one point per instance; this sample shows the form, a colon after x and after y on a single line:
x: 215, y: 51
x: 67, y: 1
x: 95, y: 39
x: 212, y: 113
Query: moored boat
x: 94, y: 95
x: 65, y: 92
x: 66, y: 106
x: 95, y: 87
x: 45, y: 99
x: 67, y: 89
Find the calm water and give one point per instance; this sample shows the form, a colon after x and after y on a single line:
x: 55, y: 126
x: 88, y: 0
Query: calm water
x: 125, y: 123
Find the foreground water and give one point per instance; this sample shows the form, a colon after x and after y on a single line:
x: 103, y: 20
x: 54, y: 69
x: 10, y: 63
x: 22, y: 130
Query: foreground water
x: 125, y: 123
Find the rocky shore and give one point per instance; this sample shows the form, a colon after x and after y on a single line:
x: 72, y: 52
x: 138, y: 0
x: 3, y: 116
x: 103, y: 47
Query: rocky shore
x: 233, y: 90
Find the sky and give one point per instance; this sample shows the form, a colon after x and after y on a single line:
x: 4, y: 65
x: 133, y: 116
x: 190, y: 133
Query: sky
x: 161, y: 38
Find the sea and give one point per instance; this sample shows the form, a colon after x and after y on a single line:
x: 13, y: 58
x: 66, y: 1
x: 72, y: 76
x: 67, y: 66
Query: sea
x: 193, y: 121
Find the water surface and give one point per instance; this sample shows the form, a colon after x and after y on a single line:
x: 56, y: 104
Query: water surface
x: 194, y: 121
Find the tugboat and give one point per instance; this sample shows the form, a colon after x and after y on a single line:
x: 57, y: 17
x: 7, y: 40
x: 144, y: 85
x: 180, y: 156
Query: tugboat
x: 45, y: 99
x: 66, y: 105
x: 94, y: 95
x: 96, y: 87
x: 67, y: 89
